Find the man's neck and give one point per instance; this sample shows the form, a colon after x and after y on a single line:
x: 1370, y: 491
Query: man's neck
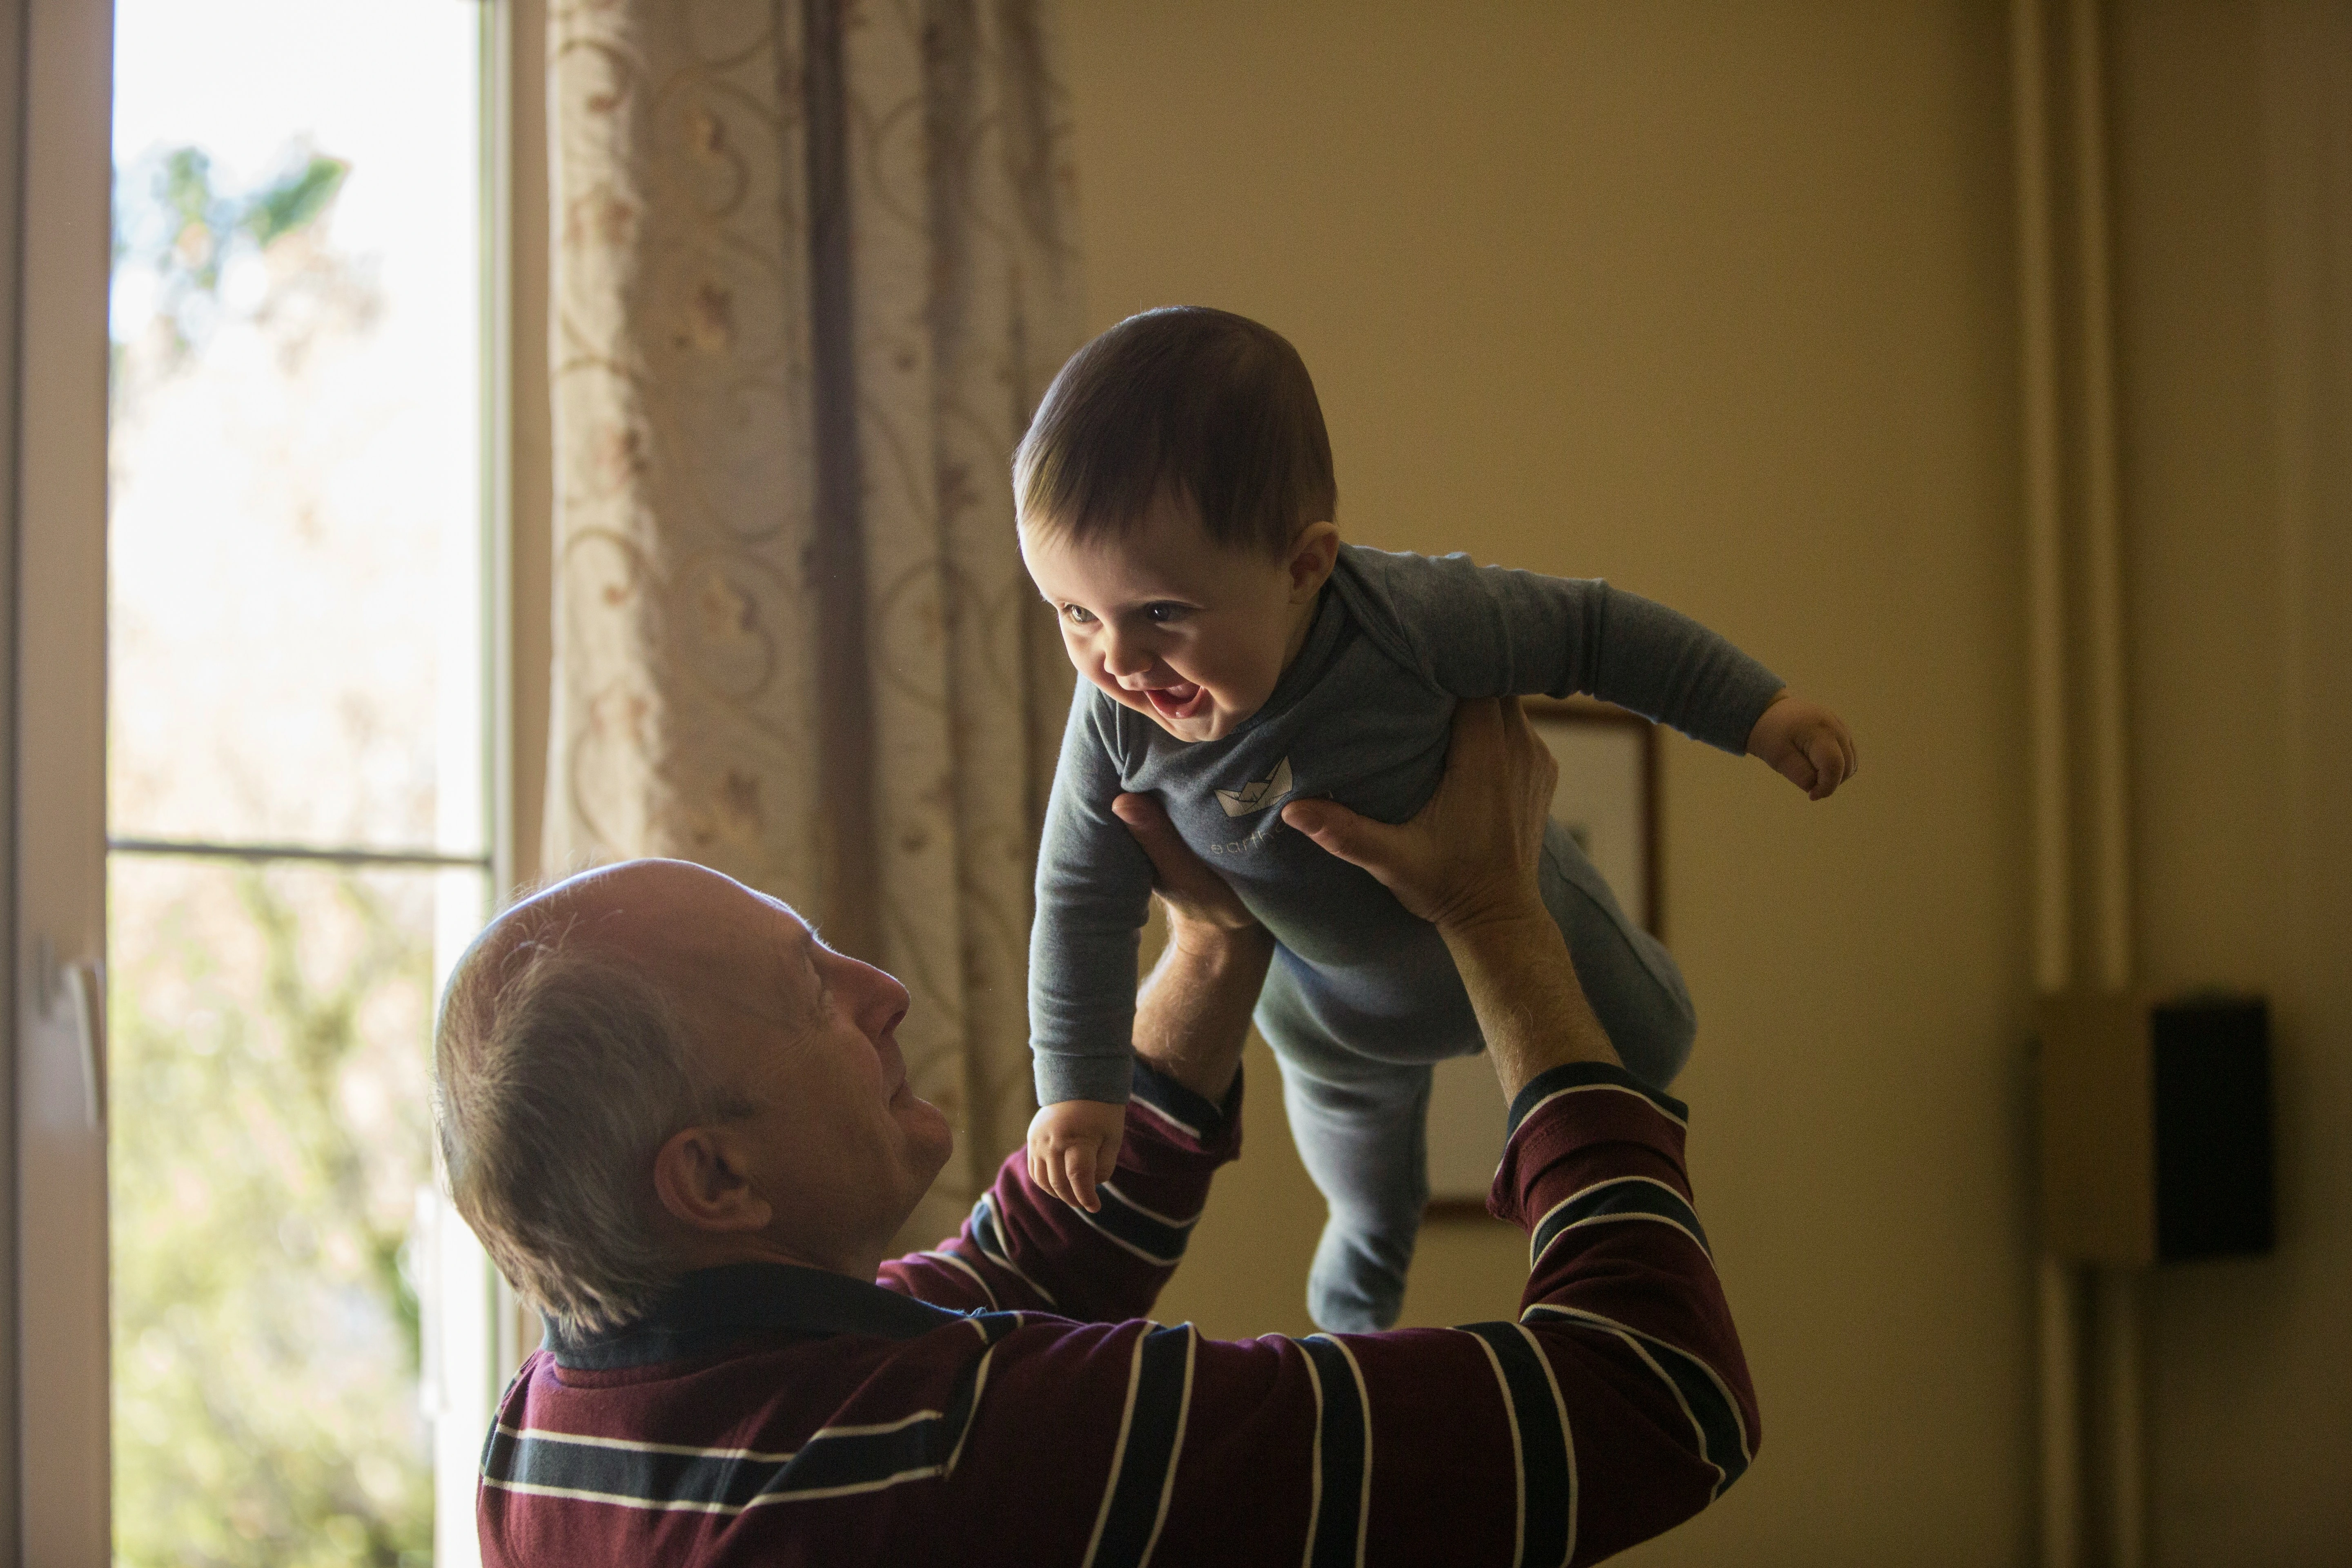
x: 697, y: 1250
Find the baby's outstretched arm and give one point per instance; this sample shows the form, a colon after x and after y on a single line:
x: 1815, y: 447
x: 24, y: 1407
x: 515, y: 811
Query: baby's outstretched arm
x: 1073, y: 1144
x: 1806, y: 743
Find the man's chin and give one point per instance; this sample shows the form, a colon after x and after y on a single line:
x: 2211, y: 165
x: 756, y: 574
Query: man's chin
x: 930, y: 1139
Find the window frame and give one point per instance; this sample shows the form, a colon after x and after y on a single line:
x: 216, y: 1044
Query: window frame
x: 62, y: 211
x: 56, y: 258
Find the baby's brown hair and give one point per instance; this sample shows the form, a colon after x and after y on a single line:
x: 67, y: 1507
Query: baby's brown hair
x: 1203, y: 404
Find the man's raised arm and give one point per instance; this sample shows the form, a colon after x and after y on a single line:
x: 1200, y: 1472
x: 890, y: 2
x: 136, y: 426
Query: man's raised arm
x: 1613, y: 1406
x: 1022, y: 1247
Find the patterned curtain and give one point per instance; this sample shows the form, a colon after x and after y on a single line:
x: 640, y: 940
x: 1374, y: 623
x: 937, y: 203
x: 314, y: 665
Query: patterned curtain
x: 815, y: 265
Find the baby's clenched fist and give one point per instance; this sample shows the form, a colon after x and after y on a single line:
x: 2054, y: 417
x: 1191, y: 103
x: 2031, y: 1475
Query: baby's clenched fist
x: 1806, y: 743
x: 1073, y: 1145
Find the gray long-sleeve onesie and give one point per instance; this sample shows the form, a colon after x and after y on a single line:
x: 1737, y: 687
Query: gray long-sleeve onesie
x: 1363, y: 716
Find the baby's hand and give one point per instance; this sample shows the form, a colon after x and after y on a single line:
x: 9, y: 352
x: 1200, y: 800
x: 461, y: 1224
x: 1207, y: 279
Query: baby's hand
x: 1810, y: 746
x: 1073, y: 1144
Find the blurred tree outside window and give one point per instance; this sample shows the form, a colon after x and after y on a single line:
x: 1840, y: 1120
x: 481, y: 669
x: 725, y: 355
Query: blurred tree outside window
x: 296, y: 759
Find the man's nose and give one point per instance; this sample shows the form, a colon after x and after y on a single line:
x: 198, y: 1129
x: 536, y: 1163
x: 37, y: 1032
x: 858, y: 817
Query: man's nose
x: 882, y: 1000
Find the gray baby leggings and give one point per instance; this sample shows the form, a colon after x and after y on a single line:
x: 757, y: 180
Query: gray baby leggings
x: 1360, y: 1119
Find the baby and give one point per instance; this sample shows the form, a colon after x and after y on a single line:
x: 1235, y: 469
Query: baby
x: 1177, y: 505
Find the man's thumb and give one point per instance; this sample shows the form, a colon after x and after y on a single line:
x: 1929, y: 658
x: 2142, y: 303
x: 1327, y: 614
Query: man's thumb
x: 1339, y: 830
x: 1148, y: 824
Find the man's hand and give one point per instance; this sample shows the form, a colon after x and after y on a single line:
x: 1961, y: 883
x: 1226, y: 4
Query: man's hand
x: 1192, y: 1014
x: 1198, y: 900
x: 1809, y: 745
x: 1466, y: 862
x: 1073, y: 1145
x: 1470, y: 853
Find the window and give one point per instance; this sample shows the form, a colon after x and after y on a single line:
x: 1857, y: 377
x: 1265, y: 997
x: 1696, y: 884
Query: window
x: 302, y: 525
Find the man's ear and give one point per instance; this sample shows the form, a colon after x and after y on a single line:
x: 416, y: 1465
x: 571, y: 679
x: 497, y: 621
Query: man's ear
x: 702, y: 1183
x: 1313, y: 554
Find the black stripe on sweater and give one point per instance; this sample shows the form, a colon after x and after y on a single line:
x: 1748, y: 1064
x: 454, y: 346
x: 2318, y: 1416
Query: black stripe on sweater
x: 1546, y: 1451
x: 1715, y: 1415
x: 695, y: 1480
x: 1145, y: 1462
x: 1148, y: 1235
x: 834, y: 1461
x: 988, y: 1233
x: 1624, y: 1198
x: 646, y: 1475
x: 1190, y: 1113
x: 1343, y: 1457
x: 1571, y: 1076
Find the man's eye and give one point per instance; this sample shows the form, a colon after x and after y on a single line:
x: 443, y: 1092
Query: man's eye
x: 1163, y: 613
x: 1079, y: 614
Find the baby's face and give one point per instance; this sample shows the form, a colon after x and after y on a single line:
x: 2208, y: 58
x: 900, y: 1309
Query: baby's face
x: 1192, y: 634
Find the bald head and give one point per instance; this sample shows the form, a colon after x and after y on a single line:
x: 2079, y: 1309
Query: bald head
x: 649, y: 1067
x: 683, y: 925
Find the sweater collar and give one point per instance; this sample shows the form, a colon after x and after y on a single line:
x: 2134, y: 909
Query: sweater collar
x: 710, y: 1307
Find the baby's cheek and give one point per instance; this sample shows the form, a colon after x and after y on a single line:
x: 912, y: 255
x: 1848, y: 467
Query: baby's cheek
x: 1246, y: 686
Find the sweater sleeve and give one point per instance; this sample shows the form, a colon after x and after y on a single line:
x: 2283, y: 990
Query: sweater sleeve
x: 1023, y: 1249
x: 1094, y: 890
x: 1491, y: 631
x: 1614, y: 1407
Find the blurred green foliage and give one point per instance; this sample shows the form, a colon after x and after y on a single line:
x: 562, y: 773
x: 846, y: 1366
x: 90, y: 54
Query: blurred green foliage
x: 270, y: 1130
x: 171, y: 217
x: 269, y: 1139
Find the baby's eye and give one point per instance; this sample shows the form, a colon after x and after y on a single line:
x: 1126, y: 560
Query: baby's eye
x: 1164, y: 613
x: 1079, y: 614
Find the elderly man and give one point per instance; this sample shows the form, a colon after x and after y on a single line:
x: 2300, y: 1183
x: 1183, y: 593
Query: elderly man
x: 681, y: 1125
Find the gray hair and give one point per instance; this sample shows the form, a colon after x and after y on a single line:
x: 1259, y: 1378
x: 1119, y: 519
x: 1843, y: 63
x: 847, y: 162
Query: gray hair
x: 560, y: 1070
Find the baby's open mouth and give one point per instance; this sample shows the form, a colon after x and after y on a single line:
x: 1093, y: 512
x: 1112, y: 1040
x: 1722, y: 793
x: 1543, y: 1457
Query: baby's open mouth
x: 1181, y: 700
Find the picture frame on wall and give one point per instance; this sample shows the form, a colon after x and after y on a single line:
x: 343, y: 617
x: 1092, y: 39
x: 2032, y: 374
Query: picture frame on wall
x: 1607, y: 798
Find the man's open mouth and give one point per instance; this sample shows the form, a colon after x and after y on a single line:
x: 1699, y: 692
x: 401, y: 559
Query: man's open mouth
x: 1181, y: 700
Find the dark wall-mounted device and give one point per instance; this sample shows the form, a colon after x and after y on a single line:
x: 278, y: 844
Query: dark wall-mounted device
x: 2156, y: 1127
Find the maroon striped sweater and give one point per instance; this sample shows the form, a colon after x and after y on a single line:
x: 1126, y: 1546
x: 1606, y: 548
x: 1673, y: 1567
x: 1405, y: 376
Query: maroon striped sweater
x: 1002, y: 1400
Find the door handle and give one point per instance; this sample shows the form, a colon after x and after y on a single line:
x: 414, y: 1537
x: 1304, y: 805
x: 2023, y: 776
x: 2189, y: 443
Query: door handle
x: 73, y: 997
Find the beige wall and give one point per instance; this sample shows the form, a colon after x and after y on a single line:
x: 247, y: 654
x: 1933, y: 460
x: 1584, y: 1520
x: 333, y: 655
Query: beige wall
x: 1717, y: 301
x: 2233, y: 220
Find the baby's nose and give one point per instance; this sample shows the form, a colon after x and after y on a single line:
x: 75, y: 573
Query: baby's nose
x: 1123, y: 658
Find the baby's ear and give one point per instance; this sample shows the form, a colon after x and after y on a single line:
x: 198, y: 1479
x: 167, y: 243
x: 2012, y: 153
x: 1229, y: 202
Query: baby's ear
x: 1312, y: 556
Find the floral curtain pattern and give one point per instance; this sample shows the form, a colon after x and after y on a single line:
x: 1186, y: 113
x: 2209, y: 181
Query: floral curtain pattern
x: 814, y: 266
